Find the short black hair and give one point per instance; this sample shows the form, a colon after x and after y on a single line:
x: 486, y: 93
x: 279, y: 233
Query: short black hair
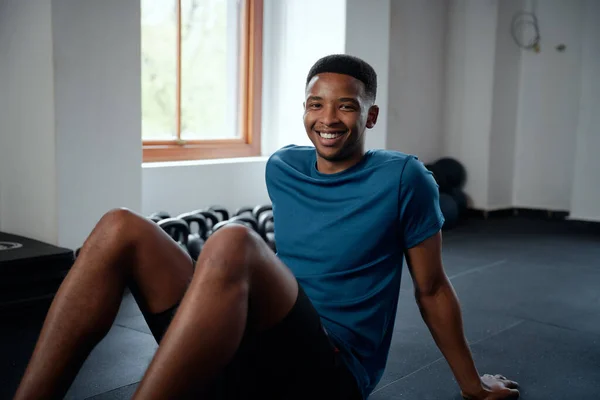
x: 347, y: 65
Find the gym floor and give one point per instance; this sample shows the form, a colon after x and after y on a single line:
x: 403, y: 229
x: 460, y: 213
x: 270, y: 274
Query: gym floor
x: 530, y: 294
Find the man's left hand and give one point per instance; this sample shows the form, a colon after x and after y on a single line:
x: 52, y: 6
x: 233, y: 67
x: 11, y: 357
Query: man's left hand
x: 495, y: 387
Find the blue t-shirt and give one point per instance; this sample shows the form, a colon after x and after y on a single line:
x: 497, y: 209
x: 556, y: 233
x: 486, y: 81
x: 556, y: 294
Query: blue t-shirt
x: 343, y: 236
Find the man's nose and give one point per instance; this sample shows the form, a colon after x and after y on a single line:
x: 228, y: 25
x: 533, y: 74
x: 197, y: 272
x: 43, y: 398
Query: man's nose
x: 329, y: 116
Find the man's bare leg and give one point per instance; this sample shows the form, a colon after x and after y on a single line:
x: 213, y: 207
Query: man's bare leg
x: 239, y: 284
x: 122, y: 247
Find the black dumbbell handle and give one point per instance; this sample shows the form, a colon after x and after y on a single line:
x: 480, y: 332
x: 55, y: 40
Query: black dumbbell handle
x: 177, y: 228
x: 258, y: 210
x: 243, y: 219
x: 199, y: 219
x: 264, y: 218
x: 209, y: 215
x: 220, y: 210
x: 243, y: 210
x: 248, y: 219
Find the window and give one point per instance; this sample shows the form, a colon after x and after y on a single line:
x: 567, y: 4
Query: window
x: 201, y: 78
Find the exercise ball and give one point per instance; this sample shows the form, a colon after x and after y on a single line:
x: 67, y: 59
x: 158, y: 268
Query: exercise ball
x: 439, y: 177
x: 460, y: 198
x: 455, y: 174
x: 449, y: 210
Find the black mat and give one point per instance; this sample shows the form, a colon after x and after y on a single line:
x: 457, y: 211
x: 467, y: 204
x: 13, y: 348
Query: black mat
x: 550, y: 363
x: 17, y: 340
x: 119, y: 360
x: 531, y: 309
x: 122, y: 393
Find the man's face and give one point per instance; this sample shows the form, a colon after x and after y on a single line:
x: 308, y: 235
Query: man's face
x: 336, y: 114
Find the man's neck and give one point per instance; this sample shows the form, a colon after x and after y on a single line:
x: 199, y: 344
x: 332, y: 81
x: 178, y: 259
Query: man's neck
x: 333, y: 167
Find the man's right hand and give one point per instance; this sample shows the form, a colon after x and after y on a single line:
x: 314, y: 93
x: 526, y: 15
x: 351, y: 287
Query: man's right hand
x: 494, y: 387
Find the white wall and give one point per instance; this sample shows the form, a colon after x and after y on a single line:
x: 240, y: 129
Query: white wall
x: 585, y: 198
x: 176, y: 189
x: 367, y: 34
x: 71, y: 146
x: 511, y: 115
x: 468, y: 93
x: 28, y: 202
x: 4, y: 101
x: 417, y: 61
x: 98, y: 111
x: 298, y: 39
x: 504, y: 110
x: 549, y: 94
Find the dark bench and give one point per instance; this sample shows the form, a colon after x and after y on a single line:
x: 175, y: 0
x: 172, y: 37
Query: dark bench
x: 30, y: 272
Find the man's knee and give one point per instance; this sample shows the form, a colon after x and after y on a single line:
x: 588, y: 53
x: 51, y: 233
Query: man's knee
x: 118, y: 226
x: 231, y: 250
x: 232, y: 240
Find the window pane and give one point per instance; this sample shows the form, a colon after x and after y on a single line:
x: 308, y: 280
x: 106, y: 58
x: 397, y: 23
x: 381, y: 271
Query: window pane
x: 159, y: 69
x: 209, y: 69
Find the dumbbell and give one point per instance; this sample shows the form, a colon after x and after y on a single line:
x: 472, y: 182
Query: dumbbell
x: 159, y: 215
x: 243, y: 210
x: 246, y: 220
x: 221, y: 211
x: 258, y: 210
x: 262, y: 222
x: 248, y: 212
x: 266, y: 228
x: 211, y: 217
x: 177, y: 229
x: 195, y: 239
x: 255, y: 211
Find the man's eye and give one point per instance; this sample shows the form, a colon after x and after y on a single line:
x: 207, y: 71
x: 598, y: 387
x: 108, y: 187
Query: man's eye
x: 315, y: 105
x: 348, y: 107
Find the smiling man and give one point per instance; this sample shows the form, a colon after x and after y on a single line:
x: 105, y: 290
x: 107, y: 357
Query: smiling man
x: 345, y: 218
x: 338, y: 109
x: 313, y: 321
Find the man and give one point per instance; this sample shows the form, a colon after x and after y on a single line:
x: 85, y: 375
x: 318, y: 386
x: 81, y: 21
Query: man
x: 312, y: 322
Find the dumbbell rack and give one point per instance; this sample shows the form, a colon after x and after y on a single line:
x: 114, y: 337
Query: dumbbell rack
x: 209, y: 220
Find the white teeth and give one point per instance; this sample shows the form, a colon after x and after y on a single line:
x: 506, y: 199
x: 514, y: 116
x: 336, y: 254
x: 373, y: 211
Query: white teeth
x: 330, y: 135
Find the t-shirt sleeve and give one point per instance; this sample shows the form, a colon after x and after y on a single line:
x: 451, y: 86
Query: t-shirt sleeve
x: 420, y: 214
x: 273, y: 173
x: 269, y: 177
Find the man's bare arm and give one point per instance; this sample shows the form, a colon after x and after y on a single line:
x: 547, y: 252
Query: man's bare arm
x: 441, y: 312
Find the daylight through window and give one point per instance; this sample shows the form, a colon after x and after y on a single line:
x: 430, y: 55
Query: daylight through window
x: 201, y: 78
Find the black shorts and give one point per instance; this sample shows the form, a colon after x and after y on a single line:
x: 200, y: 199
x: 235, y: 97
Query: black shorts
x: 293, y: 360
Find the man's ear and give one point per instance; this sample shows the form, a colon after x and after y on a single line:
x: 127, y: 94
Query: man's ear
x: 372, y: 116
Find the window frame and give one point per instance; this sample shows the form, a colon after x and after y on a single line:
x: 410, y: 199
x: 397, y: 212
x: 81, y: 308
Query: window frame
x: 249, y: 115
